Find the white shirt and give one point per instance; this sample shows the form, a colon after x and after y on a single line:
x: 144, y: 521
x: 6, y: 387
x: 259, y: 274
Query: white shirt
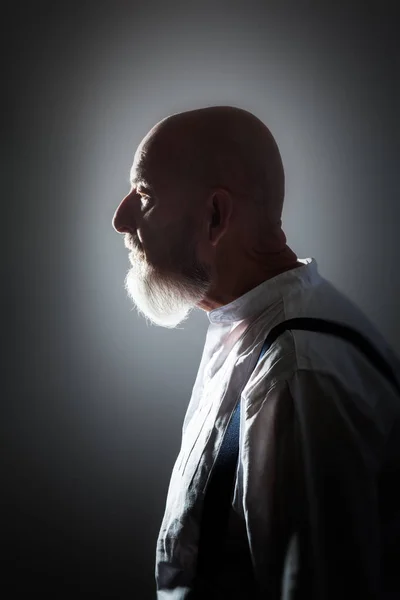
x: 313, y: 404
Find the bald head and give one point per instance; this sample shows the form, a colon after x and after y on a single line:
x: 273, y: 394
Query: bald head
x: 220, y: 146
x: 203, y: 216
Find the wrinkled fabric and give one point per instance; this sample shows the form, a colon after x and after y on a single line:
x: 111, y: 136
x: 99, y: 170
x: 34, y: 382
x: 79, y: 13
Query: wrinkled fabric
x: 316, y: 500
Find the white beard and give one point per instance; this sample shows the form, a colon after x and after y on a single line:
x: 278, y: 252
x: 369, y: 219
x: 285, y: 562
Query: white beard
x: 166, y: 299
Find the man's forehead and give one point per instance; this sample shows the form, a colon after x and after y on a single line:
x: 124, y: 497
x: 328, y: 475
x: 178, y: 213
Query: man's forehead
x: 139, y: 172
x: 155, y: 160
x: 149, y: 168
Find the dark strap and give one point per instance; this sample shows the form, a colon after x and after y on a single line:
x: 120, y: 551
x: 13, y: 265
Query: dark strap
x: 339, y: 330
x: 218, y: 496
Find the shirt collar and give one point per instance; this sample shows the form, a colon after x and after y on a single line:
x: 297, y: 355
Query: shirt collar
x: 266, y: 293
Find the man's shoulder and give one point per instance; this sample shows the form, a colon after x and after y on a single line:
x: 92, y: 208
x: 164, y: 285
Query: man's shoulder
x: 310, y: 354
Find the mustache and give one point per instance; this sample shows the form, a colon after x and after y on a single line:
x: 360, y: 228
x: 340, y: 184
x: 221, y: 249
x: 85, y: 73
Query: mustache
x: 131, y: 242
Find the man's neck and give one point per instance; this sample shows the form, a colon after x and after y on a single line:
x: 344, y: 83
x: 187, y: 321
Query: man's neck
x: 219, y: 295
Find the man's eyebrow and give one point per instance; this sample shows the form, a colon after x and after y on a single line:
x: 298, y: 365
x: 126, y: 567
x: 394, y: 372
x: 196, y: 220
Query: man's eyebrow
x: 140, y: 182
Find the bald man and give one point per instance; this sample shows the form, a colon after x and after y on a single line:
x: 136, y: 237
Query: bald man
x: 313, y: 501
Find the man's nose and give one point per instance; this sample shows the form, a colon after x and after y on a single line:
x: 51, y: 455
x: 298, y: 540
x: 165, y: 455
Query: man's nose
x: 124, y: 220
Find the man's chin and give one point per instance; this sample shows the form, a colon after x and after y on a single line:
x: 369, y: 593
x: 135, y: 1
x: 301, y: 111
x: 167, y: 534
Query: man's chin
x: 137, y: 256
x: 155, y: 300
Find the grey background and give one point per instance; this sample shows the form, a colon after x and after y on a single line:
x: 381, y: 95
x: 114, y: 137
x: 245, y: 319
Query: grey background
x: 93, y: 398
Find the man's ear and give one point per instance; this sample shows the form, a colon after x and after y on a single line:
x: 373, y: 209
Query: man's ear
x: 221, y: 211
x: 216, y: 217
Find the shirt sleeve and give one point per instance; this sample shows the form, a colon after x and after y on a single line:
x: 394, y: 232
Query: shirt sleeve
x: 313, y: 462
